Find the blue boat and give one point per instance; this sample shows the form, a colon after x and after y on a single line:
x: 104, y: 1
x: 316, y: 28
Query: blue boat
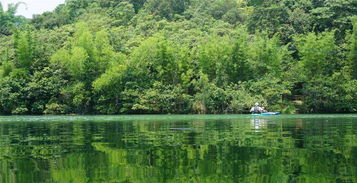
x: 267, y: 114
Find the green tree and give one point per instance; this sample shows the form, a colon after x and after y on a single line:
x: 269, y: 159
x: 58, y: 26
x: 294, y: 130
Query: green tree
x: 156, y: 60
x: 109, y: 86
x: 166, y: 8
x: 9, y: 19
x: 335, y: 14
x: 44, y: 88
x: 318, y: 54
x: 239, y: 68
x: 13, y: 93
x: 266, y: 56
x: 123, y: 13
x: 214, y: 57
x: 354, y: 51
x: 138, y: 4
x: 24, y: 49
x: 268, y: 16
x: 88, y: 55
x: 86, y: 59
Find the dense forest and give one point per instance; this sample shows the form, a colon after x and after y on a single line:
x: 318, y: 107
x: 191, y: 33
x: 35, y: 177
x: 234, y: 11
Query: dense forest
x: 187, y: 56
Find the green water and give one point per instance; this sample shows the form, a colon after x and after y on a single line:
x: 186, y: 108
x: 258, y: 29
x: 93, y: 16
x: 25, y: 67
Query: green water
x: 187, y: 148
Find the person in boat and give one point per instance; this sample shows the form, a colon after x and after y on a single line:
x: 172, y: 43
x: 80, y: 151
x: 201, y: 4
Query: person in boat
x: 257, y: 109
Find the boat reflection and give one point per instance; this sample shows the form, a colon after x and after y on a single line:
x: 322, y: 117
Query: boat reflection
x: 258, y: 123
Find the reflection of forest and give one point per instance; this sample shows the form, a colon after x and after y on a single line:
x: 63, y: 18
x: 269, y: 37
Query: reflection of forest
x: 261, y: 150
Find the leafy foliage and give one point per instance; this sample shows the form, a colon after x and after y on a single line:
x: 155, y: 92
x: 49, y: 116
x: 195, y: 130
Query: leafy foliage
x: 190, y: 56
x: 9, y: 19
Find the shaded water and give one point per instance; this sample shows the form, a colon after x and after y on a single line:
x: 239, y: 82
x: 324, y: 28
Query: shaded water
x: 187, y: 148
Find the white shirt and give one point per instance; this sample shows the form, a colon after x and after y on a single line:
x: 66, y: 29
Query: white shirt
x: 260, y: 109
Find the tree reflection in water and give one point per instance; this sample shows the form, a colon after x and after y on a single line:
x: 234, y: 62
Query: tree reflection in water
x: 231, y: 150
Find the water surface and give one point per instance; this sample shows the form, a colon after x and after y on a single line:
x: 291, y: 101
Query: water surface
x: 178, y: 148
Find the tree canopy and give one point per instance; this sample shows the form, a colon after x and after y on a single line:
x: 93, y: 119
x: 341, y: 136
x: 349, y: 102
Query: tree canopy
x: 189, y: 56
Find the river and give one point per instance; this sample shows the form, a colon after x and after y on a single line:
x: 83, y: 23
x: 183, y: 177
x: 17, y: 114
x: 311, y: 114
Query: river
x: 178, y: 148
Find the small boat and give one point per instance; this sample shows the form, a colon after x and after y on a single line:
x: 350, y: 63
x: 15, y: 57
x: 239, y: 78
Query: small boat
x: 267, y: 114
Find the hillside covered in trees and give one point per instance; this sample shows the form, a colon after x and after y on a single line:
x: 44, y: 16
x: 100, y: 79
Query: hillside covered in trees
x: 187, y: 56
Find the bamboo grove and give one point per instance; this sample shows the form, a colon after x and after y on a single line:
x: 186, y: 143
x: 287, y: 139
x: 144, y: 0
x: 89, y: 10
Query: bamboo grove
x: 188, y: 56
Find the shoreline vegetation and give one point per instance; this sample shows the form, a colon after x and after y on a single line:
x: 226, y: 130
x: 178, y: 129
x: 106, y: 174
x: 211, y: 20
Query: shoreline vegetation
x: 161, y: 117
x: 180, y: 57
